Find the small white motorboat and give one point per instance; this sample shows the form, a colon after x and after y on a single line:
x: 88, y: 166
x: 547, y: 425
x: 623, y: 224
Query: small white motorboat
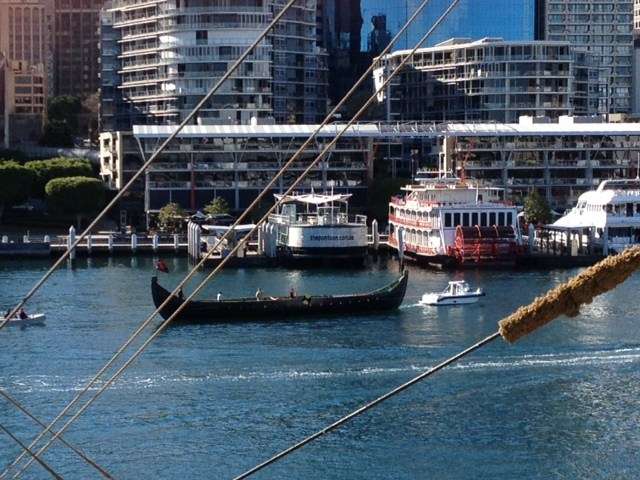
x: 456, y: 293
x: 35, y: 319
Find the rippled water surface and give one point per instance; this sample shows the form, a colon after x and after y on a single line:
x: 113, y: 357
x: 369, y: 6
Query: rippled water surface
x: 212, y: 401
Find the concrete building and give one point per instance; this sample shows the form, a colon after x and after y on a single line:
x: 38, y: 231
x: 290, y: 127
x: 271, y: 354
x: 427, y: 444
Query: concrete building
x: 169, y: 53
x: 235, y: 162
x: 25, y: 45
x: 75, y: 47
x: 561, y: 159
x: 604, y: 28
x: 489, y: 80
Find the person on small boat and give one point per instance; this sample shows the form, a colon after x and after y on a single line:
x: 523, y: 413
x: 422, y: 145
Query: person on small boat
x: 219, y: 297
x: 181, y: 294
x: 259, y: 295
x: 292, y: 293
x: 22, y: 314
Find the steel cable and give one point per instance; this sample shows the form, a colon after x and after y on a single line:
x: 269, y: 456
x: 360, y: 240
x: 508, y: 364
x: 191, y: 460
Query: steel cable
x: 239, y: 245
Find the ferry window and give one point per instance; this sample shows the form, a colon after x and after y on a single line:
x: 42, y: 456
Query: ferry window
x: 509, y: 218
x: 492, y: 218
x: 609, y: 208
x: 483, y: 219
x: 447, y: 219
x: 474, y: 219
x: 465, y: 219
x: 456, y: 219
x: 501, y: 219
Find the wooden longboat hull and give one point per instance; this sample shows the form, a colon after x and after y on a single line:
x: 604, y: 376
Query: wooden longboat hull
x: 387, y: 298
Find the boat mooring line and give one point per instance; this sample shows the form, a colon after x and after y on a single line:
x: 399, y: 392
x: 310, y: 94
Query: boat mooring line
x: 565, y: 299
x: 241, y: 243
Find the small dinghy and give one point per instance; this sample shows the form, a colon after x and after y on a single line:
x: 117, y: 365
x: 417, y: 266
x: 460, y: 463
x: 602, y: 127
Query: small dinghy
x: 35, y: 319
x: 456, y: 293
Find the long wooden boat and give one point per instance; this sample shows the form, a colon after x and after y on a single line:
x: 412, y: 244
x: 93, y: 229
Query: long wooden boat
x: 280, y: 308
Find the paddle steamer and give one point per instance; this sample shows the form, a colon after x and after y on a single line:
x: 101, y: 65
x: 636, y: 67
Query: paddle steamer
x: 447, y: 221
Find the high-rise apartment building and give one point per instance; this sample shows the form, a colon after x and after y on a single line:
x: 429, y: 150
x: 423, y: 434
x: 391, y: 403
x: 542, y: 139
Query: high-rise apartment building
x: 635, y: 92
x: 168, y: 53
x: 605, y: 29
x: 299, y: 65
x: 25, y: 44
x: 489, y: 80
x: 358, y: 30
x: 75, y: 47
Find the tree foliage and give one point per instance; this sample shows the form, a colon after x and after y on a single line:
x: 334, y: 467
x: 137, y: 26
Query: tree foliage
x: 217, y: 206
x: 536, y: 208
x: 47, y: 170
x: 379, y: 193
x: 62, y: 121
x: 78, y: 196
x: 171, y: 217
x: 16, y: 182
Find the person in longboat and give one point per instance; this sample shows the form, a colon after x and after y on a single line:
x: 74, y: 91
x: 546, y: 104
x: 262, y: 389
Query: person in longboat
x: 22, y: 314
x: 219, y: 297
x: 258, y: 294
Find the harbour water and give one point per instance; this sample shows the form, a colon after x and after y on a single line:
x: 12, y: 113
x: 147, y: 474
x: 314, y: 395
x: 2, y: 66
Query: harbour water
x: 211, y: 401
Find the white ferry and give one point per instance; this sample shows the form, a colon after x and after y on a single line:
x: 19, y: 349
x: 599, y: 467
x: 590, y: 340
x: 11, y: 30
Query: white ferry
x: 611, y: 212
x: 447, y: 222
x: 318, y: 228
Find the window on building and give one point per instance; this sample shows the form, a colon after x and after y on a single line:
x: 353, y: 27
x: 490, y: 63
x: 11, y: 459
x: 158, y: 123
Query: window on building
x: 447, y: 220
x: 456, y: 219
x: 483, y: 219
x: 501, y: 219
x: 474, y: 219
x: 465, y: 219
x: 492, y: 218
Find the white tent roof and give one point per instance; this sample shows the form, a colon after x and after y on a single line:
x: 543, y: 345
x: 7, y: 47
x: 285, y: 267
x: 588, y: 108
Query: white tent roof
x: 225, y: 228
x: 314, y: 198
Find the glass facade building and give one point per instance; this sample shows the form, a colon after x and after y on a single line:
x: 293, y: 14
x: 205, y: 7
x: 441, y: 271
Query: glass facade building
x: 475, y: 19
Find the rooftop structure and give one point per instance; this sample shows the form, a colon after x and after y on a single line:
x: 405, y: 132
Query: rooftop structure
x: 489, y: 80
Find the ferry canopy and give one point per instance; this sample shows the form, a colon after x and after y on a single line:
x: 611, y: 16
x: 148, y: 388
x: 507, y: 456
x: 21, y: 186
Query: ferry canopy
x: 217, y: 229
x: 313, y: 198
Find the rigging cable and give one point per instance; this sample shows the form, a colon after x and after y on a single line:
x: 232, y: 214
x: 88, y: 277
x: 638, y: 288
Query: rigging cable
x: 79, y: 452
x: 187, y: 119
x: 26, y: 450
x: 142, y: 169
x: 328, y: 118
x: 565, y: 299
x: 161, y: 328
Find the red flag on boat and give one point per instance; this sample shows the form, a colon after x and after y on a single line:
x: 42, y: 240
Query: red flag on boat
x: 161, y: 266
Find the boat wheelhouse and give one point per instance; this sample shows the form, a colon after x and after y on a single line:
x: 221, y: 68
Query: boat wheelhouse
x: 611, y: 213
x: 446, y: 221
x: 318, y: 228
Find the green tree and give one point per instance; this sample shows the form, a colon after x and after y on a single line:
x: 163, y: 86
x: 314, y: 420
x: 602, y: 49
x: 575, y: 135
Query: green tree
x: 15, y: 184
x: 47, y: 170
x: 217, y: 206
x: 62, y: 121
x: 171, y: 217
x: 79, y: 196
x: 536, y: 208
